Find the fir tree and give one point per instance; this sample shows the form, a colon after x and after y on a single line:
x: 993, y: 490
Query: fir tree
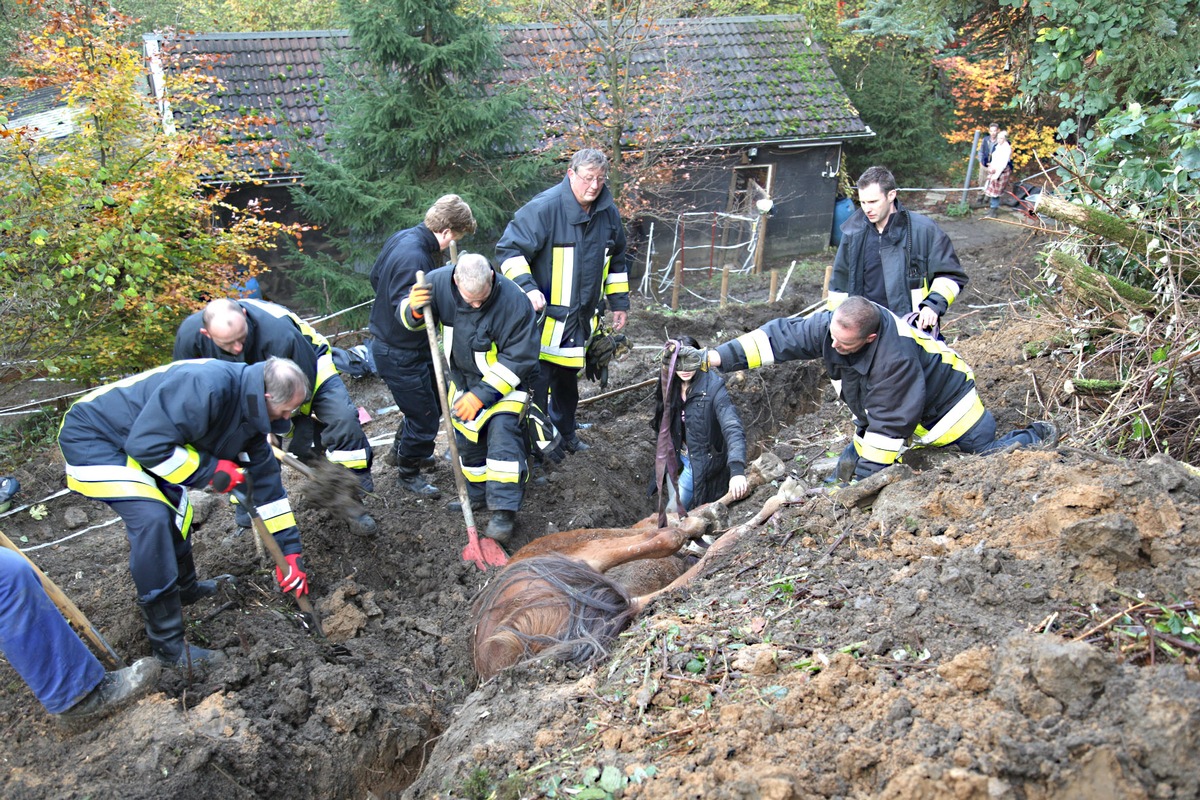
x: 418, y: 115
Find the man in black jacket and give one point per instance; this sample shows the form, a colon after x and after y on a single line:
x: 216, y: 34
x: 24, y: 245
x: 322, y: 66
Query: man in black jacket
x: 141, y: 443
x: 904, y: 387
x: 251, y: 331
x: 492, y: 348
x: 565, y: 248
x: 895, y: 257
x: 402, y: 356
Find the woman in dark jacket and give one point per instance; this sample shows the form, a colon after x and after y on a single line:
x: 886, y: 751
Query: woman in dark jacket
x: 706, y: 431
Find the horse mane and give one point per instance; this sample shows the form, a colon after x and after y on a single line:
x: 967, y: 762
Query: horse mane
x: 548, y: 606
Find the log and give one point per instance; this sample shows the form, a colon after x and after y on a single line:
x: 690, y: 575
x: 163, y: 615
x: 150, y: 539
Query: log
x: 1093, y: 220
x: 1095, y: 288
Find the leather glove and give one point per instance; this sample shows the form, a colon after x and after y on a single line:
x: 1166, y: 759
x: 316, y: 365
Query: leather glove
x: 296, y: 580
x: 227, y: 477
x: 418, y: 297
x: 690, y: 359
x: 600, y: 352
x: 467, y: 406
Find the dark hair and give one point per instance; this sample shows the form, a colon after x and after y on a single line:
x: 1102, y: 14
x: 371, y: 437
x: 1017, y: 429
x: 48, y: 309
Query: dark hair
x: 880, y: 176
x: 659, y: 405
x: 859, y: 314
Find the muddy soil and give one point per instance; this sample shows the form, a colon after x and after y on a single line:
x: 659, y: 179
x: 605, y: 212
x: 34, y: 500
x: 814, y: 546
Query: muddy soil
x: 953, y: 638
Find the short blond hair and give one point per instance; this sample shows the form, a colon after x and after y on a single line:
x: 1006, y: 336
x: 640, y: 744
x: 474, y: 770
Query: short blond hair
x: 450, y: 212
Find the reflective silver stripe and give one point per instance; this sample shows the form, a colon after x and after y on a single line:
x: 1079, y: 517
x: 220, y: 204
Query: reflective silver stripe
x: 950, y: 418
x: 565, y: 278
x: 179, y: 457
x: 502, y: 373
x: 946, y: 288
x: 881, y: 442
x: 503, y: 471
x: 515, y: 267
x: 275, y: 509
x: 351, y: 459
x: 564, y: 352
x: 109, y: 474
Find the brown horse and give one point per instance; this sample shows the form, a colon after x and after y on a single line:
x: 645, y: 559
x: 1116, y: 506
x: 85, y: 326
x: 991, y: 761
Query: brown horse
x: 557, y: 598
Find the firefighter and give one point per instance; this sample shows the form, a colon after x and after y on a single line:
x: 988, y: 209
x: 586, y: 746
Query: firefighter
x: 904, y: 387
x: 141, y: 443
x: 252, y: 331
x: 565, y: 248
x: 490, y: 342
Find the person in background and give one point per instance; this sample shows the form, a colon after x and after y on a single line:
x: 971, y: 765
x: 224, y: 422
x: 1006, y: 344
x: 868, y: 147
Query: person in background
x: 895, y: 257
x: 565, y: 248
x: 986, y: 145
x: 51, y: 658
x: 904, y: 387
x: 999, y: 172
x: 706, y: 431
x: 402, y: 356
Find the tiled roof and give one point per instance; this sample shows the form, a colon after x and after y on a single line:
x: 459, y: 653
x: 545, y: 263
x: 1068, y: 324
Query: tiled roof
x: 751, y: 79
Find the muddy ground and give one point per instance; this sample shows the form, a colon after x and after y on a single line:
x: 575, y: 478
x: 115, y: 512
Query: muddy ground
x: 955, y: 638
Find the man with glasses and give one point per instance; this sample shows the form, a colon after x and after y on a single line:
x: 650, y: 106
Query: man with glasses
x: 141, y: 443
x: 904, y: 387
x: 251, y: 331
x: 402, y: 356
x: 565, y: 248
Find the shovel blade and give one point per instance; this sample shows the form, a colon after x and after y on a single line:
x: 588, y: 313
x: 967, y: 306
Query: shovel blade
x: 472, y: 552
x: 493, y: 553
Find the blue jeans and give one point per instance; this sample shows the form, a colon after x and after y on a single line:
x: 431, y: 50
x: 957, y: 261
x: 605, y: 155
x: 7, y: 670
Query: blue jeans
x: 686, y: 487
x: 409, y: 374
x: 38, y: 642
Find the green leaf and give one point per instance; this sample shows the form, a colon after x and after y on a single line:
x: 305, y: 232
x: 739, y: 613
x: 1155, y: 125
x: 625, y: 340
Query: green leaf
x: 612, y: 780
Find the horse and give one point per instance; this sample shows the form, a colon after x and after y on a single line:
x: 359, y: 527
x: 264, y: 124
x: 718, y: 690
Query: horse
x: 568, y: 595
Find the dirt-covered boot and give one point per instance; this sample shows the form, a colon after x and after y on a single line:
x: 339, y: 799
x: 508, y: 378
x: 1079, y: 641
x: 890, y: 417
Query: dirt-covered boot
x: 114, y: 690
x: 500, y: 526
x: 164, y: 628
x: 408, y: 475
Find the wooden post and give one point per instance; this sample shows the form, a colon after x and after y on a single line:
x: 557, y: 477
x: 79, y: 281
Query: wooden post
x: 725, y: 284
x: 774, y: 283
x: 825, y: 285
x: 761, y: 245
x: 678, y: 284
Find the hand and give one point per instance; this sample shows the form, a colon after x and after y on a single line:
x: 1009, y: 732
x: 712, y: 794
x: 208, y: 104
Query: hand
x: 927, y: 319
x: 619, y: 319
x: 739, y: 487
x: 419, y: 296
x: 537, y: 299
x: 467, y: 406
x: 296, y: 580
x: 227, y: 477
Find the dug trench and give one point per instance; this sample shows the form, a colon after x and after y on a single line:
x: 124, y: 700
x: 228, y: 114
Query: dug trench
x: 936, y: 641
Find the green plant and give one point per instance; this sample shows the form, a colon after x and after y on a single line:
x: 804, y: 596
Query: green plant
x: 959, y: 209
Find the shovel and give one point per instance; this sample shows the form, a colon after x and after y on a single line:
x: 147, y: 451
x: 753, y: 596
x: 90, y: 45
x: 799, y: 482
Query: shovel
x: 483, y: 552
x: 307, y: 612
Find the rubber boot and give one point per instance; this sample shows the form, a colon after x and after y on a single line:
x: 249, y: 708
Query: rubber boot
x: 164, y: 628
x: 500, y: 526
x: 192, y: 590
x: 408, y: 475
x: 114, y: 690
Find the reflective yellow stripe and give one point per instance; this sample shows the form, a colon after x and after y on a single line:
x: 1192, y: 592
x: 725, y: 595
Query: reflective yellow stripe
x: 501, y: 378
x: 326, y: 369
x: 616, y: 282
x: 474, y: 474
x: 350, y: 459
x: 110, y: 482
x: 946, y: 288
x: 277, y: 515
x: 511, y: 403
x: 515, y: 267
x: 957, y: 421
x: 562, y: 275
x: 758, y: 349
x: 939, y: 348
x: 183, y: 462
x: 279, y: 312
x: 878, y: 448
x: 503, y: 471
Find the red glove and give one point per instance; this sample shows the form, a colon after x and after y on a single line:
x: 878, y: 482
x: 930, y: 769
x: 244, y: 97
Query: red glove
x: 467, y: 406
x: 296, y: 579
x: 227, y: 477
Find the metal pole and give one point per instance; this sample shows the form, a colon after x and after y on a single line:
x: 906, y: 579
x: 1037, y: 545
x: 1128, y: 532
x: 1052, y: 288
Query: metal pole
x: 970, y: 166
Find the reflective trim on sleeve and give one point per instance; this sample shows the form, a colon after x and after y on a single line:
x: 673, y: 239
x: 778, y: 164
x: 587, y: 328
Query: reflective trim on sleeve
x: 326, y: 369
x: 511, y: 403
x: 277, y: 515
x: 475, y: 474
x: 503, y: 471
x: 177, y: 468
x: 946, y: 288
x: 878, y: 448
x: 757, y: 346
x: 515, y: 267
x: 957, y: 421
x: 616, y: 282
x: 501, y: 378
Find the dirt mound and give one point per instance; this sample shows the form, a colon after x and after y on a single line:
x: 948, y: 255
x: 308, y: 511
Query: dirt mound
x: 956, y: 637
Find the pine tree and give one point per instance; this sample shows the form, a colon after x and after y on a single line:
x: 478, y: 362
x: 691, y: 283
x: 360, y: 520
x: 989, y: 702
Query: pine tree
x: 415, y: 119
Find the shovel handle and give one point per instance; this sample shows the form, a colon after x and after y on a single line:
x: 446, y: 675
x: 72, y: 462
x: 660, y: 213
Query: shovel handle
x: 277, y: 556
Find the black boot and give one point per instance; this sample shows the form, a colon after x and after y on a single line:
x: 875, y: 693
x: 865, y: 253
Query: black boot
x: 164, y: 628
x: 190, y: 589
x: 500, y: 526
x: 408, y: 475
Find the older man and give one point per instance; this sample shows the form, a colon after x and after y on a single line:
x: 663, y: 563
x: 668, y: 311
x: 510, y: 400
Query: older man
x: 904, y: 387
x: 251, y: 331
x: 565, y: 248
x: 491, y: 346
x: 140, y: 443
